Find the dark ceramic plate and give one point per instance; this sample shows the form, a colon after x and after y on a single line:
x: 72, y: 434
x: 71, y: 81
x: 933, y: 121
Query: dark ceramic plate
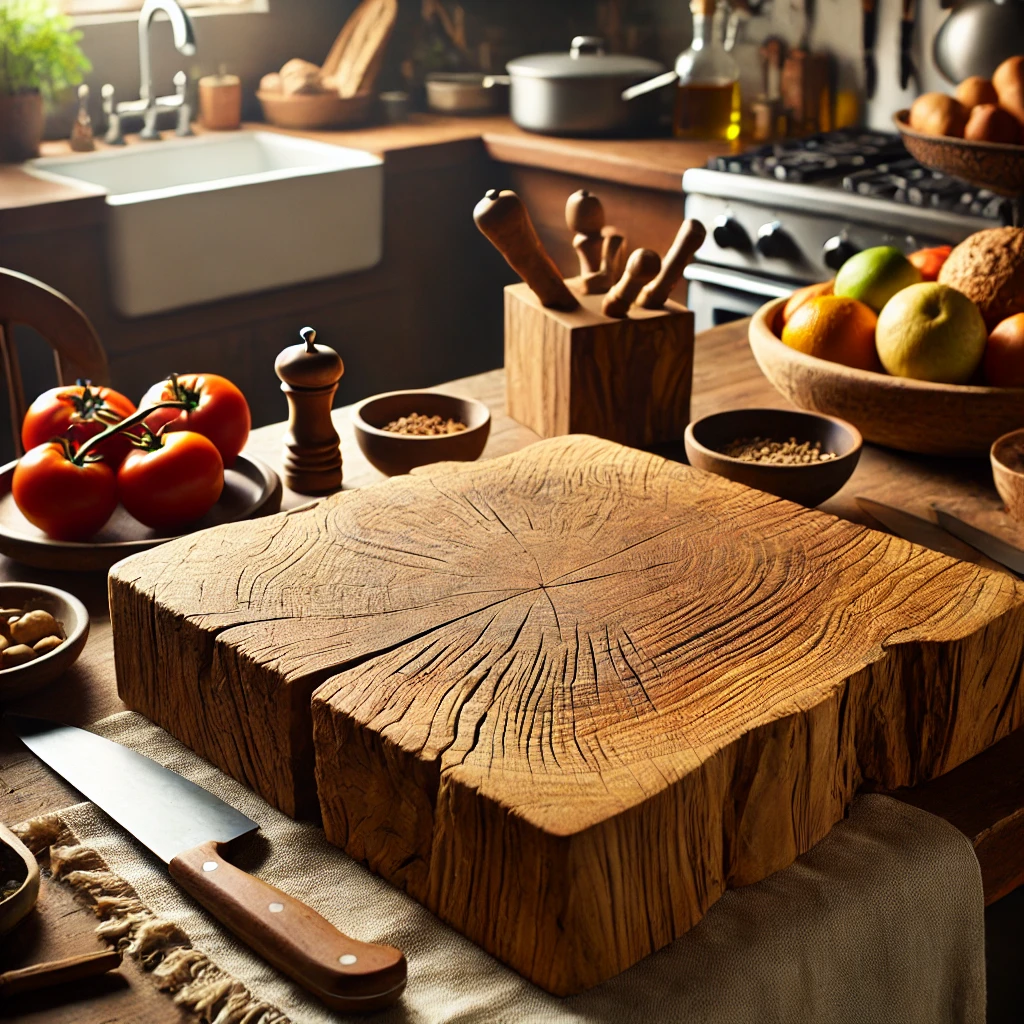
x: 251, y: 489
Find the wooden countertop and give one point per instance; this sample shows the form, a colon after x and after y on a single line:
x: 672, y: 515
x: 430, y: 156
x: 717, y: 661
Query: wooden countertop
x: 29, y: 204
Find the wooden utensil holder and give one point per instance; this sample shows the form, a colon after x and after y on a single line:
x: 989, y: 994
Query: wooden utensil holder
x: 584, y: 373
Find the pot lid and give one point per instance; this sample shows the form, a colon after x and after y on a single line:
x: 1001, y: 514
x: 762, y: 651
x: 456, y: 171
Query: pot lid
x: 585, y: 59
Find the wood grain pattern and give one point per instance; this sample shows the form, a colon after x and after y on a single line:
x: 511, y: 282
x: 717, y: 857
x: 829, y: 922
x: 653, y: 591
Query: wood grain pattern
x: 627, y: 380
x: 58, y: 972
x: 911, y: 415
x: 571, y: 695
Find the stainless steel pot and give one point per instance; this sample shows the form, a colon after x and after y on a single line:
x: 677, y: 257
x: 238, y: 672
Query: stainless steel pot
x: 580, y: 92
x: 978, y: 36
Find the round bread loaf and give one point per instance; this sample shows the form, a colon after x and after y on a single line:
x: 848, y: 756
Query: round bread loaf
x: 988, y: 268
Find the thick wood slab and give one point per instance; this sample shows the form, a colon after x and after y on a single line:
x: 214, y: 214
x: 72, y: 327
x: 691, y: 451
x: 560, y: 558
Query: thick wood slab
x: 571, y: 695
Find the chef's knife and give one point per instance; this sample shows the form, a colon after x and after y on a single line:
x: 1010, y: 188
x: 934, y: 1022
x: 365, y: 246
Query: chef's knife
x: 870, y: 33
x: 186, y: 826
x: 584, y: 216
x: 918, y: 530
x: 996, y: 548
x: 504, y: 220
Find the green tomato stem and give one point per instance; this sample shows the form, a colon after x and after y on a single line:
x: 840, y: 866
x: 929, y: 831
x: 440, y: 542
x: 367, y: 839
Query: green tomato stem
x: 129, y: 421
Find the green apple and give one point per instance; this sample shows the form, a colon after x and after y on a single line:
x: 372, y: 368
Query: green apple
x: 931, y: 332
x: 875, y: 275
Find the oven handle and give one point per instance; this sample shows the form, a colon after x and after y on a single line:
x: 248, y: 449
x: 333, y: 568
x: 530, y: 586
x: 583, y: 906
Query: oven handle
x: 738, y: 282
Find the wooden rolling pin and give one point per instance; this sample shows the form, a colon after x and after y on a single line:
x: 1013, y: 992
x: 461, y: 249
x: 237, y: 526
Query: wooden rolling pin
x: 612, y: 246
x: 689, y: 239
x: 59, y: 972
x: 641, y: 267
x: 503, y: 218
x: 584, y: 216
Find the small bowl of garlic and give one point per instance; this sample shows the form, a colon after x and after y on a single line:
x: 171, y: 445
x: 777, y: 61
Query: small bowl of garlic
x: 42, y: 633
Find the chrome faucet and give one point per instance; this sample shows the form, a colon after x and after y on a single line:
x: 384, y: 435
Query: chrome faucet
x: 149, y: 105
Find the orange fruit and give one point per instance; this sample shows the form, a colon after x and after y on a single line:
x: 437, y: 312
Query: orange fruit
x: 801, y: 295
x: 1004, y: 353
x: 973, y: 91
x: 838, y: 329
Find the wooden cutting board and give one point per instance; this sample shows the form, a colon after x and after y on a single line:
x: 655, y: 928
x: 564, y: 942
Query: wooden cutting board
x: 571, y: 695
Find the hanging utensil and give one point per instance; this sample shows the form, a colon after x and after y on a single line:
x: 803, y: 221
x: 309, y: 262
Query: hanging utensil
x: 908, y: 70
x: 870, y: 35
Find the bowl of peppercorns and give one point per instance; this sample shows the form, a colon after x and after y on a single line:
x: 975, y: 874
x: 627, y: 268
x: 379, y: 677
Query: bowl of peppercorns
x: 802, y: 456
x: 400, y: 430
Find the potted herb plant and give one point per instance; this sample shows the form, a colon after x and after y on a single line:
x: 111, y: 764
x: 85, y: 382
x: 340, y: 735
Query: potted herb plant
x: 39, y: 59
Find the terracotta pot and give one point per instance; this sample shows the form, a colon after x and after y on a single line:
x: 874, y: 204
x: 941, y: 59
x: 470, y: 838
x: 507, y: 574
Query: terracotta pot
x: 21, y: 126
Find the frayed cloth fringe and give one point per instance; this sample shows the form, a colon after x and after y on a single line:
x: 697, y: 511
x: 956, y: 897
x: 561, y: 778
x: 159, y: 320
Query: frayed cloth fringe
x: 161, y: 947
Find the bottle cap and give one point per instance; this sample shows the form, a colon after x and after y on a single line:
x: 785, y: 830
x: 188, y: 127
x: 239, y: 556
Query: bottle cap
x: 309, y: 365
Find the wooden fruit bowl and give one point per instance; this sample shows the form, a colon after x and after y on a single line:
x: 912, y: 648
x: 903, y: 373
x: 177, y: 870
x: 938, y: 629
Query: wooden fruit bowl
x: 911, y: 415
x: 992, y: 165
x: 317, y: 110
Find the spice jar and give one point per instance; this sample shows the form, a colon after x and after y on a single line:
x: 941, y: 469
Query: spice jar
x: 310, y: 374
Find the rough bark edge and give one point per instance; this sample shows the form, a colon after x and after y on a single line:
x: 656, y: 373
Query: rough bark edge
x: 160, y: 947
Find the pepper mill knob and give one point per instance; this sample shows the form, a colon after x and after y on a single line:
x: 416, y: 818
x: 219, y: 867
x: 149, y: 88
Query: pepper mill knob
x: 310, y: 375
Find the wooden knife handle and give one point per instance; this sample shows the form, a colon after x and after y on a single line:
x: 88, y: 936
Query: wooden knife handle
x: 612, y: 255
x: 59, y: 972
x: 584, y: 216
x: 641, y: 267
x: 341, y: 972
x: 503, y: 218
x: 688, y: 240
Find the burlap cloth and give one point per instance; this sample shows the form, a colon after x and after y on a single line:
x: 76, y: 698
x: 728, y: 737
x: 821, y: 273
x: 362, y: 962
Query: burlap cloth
x: 881, y: 921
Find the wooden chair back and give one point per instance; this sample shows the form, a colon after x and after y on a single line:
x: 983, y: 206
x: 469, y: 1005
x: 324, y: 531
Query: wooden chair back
x: 76, y: 347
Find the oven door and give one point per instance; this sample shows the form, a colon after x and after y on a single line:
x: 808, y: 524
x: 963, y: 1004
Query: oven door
x: 719, y: 296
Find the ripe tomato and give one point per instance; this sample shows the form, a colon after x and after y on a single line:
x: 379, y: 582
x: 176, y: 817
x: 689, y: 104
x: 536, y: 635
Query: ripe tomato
x: 215, y: 408
x: 78, y: 412
x: 929, y: 261
x: 171, y: 480
x: 66, y: 499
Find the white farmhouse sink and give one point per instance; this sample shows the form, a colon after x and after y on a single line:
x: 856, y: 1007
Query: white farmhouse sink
x: 194, y: 220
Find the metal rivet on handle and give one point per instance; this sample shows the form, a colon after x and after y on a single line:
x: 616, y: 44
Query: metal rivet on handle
x: 210, y: 865
x: 347, y: 959
x: 276, y: 908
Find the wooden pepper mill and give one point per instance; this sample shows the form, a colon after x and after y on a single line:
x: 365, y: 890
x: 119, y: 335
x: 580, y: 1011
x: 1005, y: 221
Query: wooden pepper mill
x: 310, y: 374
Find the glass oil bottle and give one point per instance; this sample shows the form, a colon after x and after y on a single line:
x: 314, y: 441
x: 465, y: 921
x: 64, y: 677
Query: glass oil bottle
x: 708, y: 95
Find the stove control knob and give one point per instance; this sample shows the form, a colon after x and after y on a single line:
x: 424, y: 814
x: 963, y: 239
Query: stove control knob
x: 774, y: 242
x: 837, y: 250
x: 729, y: 233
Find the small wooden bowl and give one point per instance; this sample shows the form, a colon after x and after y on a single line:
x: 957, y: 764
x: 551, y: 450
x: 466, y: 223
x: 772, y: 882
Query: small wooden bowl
x: 1007, y: 457
x: 809, y: 483
x: 316, y: 110
x: 393, y: 454
x: 993, y: 165
x: 911, y: 415
x: 22, y: 900
x: 69, y: 612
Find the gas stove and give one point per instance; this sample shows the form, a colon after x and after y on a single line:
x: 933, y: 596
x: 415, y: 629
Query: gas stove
x: 791, y: 213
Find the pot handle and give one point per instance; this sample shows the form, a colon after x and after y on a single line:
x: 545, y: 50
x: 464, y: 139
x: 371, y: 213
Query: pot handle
x: 586, y: 44
x: 490, y: 81
x: 651, y: 85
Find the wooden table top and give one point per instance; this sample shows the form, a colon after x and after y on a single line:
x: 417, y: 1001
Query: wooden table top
x: 984, y: 798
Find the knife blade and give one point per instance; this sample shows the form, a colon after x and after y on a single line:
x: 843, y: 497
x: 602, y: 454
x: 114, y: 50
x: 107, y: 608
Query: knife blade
x: 908, y: 70
x: 995, y: 547
x: 918, y: 530
x: 186, y: 826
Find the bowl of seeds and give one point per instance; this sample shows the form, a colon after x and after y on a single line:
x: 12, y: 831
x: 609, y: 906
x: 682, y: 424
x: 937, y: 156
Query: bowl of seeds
x: 803, y: 456
x: 42, y: 633
x: 400, y: 430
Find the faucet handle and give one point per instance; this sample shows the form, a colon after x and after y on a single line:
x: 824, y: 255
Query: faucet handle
x: 114, y: 137
x: 185, y: 108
